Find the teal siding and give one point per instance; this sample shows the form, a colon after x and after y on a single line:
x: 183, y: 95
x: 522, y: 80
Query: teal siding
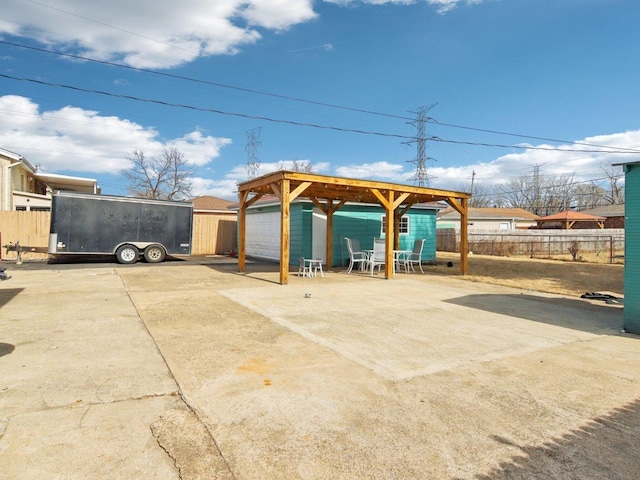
x: 355, y: 221
x: 301, y: 232
x: 632, y: 249
x: 364, y: 223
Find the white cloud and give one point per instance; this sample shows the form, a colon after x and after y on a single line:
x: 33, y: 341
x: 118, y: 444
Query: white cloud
x: 552, y: 160
x: 162, y: 36
x: 441, y: 6
x: 85, y: 141
x: 383, y: 171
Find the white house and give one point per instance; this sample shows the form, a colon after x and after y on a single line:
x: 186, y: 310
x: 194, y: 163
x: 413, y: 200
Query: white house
x: 23, y: 187
x: 489, y: 219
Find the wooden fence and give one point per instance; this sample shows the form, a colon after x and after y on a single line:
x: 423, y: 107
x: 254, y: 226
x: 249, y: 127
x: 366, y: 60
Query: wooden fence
x: 603, y: 243
x: 212, y: 234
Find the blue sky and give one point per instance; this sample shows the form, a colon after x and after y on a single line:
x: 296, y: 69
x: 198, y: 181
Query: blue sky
x: 535, y: 71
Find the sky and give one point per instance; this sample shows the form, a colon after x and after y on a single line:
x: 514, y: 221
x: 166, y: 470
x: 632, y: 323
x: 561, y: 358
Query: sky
x: 506, y: 86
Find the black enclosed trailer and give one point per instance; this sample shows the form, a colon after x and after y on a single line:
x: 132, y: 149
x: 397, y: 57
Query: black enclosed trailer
x: 122, y: 226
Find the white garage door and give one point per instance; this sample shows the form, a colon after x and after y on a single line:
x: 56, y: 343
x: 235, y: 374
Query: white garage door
x: 263, y: 235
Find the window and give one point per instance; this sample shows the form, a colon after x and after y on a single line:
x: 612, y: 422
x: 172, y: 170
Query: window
x: 404, y: 225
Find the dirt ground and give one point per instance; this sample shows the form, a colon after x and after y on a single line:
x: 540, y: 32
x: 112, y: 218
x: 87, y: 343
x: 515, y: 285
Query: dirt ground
x: 550, y: 276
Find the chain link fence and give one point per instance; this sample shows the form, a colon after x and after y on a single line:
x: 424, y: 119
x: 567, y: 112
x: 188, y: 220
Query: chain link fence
x: 601, y: 246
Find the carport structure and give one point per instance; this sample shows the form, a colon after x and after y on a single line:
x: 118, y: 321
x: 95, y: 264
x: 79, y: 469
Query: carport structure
x: 329, y: 194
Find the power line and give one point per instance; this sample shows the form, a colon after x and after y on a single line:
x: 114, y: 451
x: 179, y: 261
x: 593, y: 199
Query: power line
x: 322, y: 104
x: 292, y: 122
x: 201, y: 81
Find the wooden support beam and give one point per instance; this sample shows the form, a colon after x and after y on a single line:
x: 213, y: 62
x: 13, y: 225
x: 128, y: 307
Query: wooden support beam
x: 254, y: 199
x: 242, y: 230
x: 285, y: 226
x: 298, y: 190
x: 276, y: 190
x: 389, y: 237
x: 464, y: 235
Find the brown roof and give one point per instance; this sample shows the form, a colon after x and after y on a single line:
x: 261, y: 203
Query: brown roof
x: 207, y: 202
x: 571, y: 216
x: 615, y: 210
x: 477, y: 213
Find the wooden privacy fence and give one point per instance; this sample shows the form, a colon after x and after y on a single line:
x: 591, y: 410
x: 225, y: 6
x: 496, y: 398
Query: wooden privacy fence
x: 608, y: 243
x: 212, y: 234
x: 29, y: 228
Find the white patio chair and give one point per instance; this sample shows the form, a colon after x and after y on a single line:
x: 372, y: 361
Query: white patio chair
x: 415, y: 256
x: 304, y: 269
x: 378, y: 256
x: 355, y: 255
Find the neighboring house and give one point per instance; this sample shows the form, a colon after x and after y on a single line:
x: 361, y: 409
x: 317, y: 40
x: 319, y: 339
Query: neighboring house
x: 489, y: 219
x: 613, y: 214
x: 23, y: 187
x: 208, y: 205
x: 309, y: 229
x: 214, y: 226
x: 20, y: 189
x: 632, y: 247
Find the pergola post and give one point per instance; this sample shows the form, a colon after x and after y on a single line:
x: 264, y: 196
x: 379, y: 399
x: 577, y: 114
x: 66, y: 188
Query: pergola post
x: 464, y: 235
x: 285, y: 225
x: 329, y: 242
x: 242, y: 230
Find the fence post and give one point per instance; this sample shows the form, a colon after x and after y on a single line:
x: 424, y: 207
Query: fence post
x: 611, y: 249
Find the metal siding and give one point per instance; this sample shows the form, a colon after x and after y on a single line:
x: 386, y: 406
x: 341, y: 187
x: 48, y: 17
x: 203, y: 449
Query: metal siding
x: 300, y: 233
x: 87, y: 223
x: 364, y: 223
x: 422, y: 224
x: 632, y: 250
x: 263, y: 233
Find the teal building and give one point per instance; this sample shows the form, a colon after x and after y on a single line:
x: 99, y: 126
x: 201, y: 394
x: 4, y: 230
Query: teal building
x: 632, y: 247
x: 308, y: 234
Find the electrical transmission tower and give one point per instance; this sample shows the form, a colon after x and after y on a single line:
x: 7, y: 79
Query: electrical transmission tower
x: 253, y: 143
x: 421, y: 177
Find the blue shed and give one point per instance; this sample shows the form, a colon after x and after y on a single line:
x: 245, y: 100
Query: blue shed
x: 308, y: 230
x: 632, y: 247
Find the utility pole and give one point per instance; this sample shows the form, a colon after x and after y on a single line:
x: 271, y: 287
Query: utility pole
x: 421, y: 177
x: 473, y: 177
x: 253, y: 143
x: 536, y: 186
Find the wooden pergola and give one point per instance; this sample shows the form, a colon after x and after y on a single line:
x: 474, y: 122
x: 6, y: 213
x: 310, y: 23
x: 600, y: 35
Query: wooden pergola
x: 329, y: 194
x: 569, y: 218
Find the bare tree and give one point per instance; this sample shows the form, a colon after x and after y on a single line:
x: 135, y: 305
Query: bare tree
x: 167, y: 177
x: 615, y: 195
x: 303, y: 166
x: 481, y: 196
x: 590, y: 195
x: 540, y: 194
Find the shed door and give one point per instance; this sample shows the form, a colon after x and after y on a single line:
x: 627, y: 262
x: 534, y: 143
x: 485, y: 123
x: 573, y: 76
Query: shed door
x: 263, y: 235
x: 319, y: 239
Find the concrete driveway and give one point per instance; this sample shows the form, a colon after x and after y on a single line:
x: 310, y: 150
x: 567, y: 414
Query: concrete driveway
x: 197, y: 371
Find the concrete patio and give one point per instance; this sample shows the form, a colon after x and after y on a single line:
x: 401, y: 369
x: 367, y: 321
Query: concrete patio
x: 196, y: 371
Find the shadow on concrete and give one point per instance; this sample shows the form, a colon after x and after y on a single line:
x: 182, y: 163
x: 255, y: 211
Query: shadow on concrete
x: 6, y: 349
x: 253, y: 268
x: 605, y: 448
x: 7, y: 294
x: 563, y: 312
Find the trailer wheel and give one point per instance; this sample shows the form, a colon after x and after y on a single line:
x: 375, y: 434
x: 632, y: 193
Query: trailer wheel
x: 154, y: 254
x: 127, y: 254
